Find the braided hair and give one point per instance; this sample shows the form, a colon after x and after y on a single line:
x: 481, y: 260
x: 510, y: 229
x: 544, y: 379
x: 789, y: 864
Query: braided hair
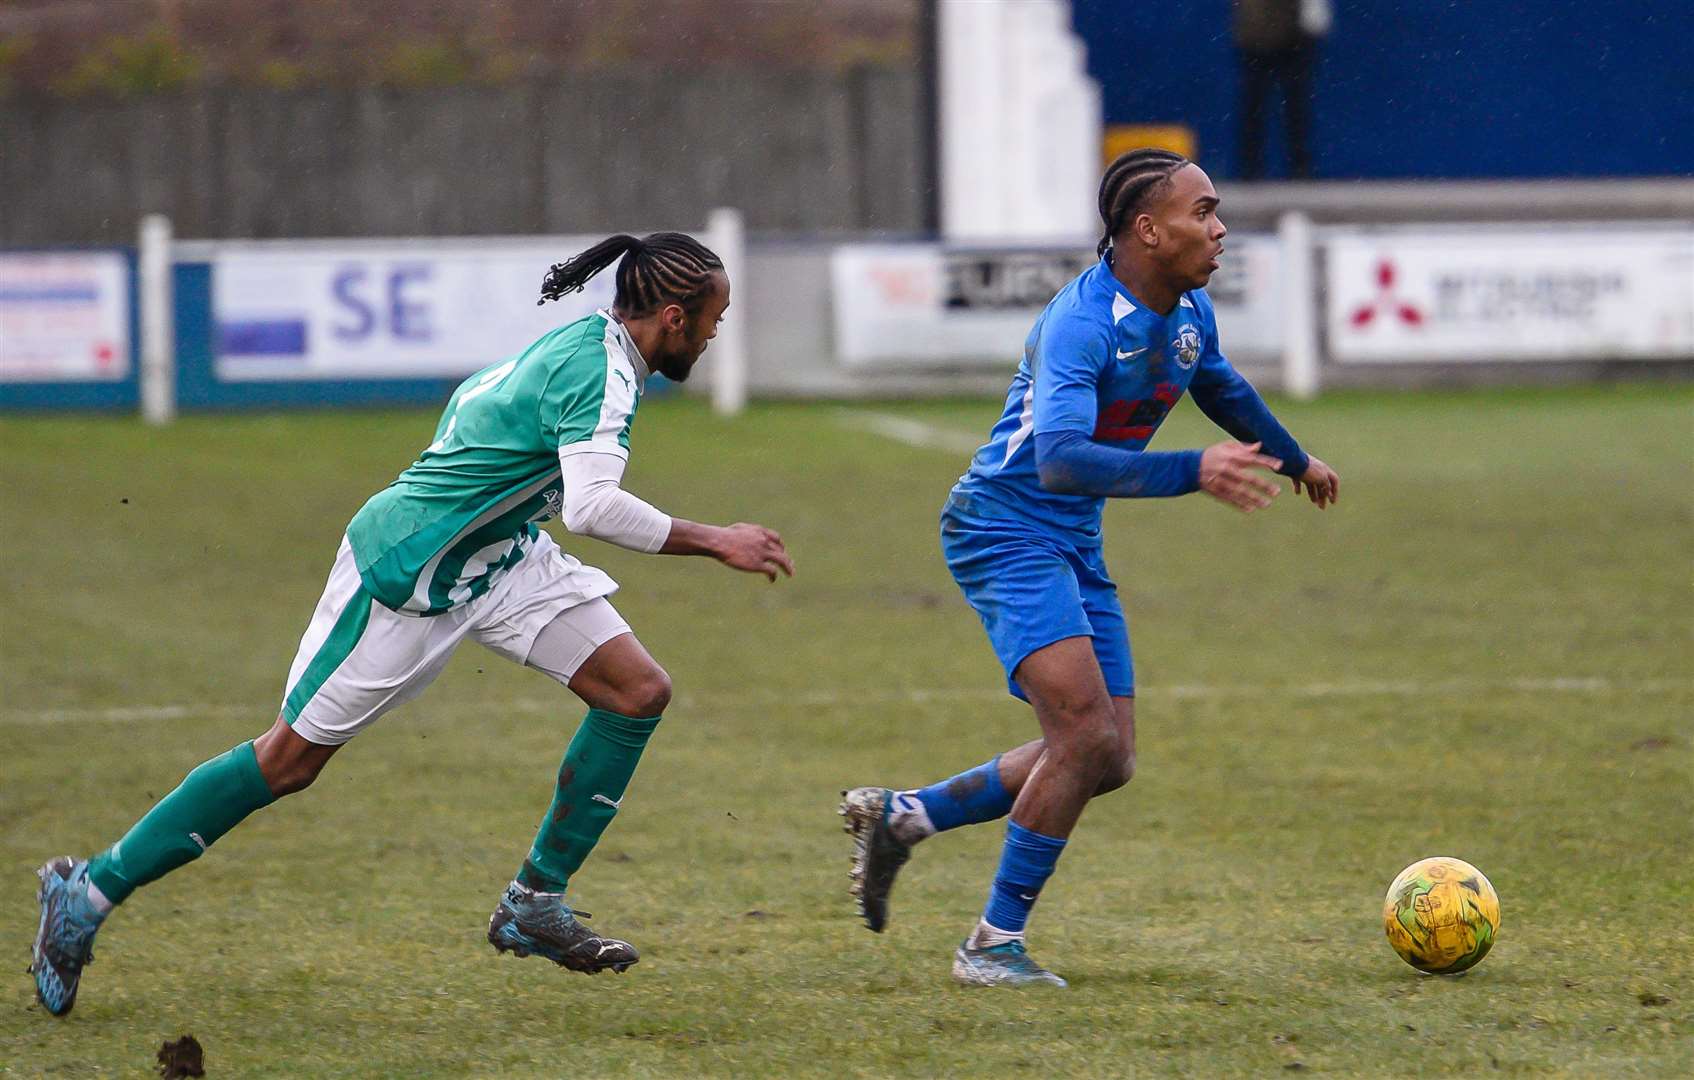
x: 1130, y: 183
x: 660, y: 267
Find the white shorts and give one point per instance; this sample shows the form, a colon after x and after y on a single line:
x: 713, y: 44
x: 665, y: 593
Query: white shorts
x: 359, y: 659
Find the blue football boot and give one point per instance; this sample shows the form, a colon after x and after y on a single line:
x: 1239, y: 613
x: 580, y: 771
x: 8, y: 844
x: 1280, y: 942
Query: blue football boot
x: 1000, y: 965
x: 64, y: 942
x: 542, y: 923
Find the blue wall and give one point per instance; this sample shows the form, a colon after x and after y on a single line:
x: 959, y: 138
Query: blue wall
x: 1428, y: 88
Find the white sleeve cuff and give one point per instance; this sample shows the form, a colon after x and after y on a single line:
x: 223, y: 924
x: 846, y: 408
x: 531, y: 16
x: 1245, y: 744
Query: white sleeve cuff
x: 595, y: 505
x: 593, y: 446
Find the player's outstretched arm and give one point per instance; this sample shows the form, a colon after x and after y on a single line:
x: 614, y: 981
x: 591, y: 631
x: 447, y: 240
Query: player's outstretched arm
x: 1068, y: 462
x: 742, y: 546
x: 595, y: 504
x: 1320, y: 482
x: 1230, y: 402
x: 1229, y: 473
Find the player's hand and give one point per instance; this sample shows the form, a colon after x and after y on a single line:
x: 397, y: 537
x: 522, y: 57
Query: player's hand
x: 1227, y: 474
x: 1321, y: 484
x: 753, y: 548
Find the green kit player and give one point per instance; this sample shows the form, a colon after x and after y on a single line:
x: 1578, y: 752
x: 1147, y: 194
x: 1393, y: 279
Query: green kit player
x: 451, y: 550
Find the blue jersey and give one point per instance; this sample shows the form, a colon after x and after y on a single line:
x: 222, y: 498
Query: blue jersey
x: 1100, y: 364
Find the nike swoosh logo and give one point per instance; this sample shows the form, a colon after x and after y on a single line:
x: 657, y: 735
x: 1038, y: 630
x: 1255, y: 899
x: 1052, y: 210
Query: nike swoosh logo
x: 1025, y: 896
x: 608, y: 802
x: 1122, y: 355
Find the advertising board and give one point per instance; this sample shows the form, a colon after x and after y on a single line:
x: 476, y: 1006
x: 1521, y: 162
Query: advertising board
x: 1488, y: 293
x: 65, y: 317
x: 928, y: 305
x: 362, y: 310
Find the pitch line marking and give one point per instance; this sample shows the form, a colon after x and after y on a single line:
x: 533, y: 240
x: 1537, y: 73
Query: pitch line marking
x: 919, y: 696
x: 903, y: 429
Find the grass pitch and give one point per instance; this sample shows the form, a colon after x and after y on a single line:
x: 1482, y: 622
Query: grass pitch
x: 1484, y: 651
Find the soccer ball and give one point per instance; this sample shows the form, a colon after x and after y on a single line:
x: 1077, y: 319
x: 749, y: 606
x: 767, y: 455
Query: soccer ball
x: 1441, y: 915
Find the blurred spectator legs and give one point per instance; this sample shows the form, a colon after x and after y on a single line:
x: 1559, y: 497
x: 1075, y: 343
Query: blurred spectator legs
x: 1289, y: 70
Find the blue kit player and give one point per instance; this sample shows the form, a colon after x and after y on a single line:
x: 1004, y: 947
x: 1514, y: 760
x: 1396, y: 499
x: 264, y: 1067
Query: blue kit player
x: 1105, y: 363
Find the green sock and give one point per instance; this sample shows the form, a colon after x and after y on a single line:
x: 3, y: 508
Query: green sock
x: 209, y: 802
x: 598, y: 764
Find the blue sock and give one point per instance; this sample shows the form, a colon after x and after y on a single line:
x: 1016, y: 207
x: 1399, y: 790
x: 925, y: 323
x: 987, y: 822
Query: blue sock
x: 1026, y: 862
x: 972, y: 796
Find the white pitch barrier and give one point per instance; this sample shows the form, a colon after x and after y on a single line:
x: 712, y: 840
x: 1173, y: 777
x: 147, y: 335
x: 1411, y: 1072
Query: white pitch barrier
x: 1300, y: 366
x: 726, y: 234
x: 158, y: 324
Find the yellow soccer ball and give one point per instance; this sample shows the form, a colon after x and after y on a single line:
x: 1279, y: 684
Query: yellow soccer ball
x: 1441, y: 915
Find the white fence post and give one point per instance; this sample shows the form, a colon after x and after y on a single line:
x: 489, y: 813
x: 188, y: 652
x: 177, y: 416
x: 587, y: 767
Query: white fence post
x: 1300, y: 375
x: 726, y: 235
x: 158, y: 331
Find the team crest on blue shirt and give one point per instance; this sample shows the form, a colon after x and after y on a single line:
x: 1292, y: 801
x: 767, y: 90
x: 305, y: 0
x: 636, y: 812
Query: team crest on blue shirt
x: 1186, y: 346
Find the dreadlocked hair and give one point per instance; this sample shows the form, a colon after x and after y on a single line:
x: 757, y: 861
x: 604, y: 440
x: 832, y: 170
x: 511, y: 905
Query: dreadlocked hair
x: 658, y: 268
x: 1129, y: 184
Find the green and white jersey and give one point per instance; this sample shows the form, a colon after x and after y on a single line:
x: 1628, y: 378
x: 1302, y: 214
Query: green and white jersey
x: 465, y: 512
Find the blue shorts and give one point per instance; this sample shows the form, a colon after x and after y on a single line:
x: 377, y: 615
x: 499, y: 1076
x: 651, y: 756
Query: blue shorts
x: 1032, y: 589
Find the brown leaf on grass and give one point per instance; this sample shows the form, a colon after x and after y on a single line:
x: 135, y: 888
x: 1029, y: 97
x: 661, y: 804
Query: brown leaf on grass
x: 1650, y: 999
x: 181, y: 1057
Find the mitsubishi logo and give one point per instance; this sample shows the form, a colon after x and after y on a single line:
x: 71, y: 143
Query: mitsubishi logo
x: 1385, y: 302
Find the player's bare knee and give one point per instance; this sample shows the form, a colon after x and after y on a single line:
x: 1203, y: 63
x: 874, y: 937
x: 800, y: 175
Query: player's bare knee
x: 1087, y: 713
x: 287, y: 762
x: 1091, y: 742
x: 1119, y: 772
x: 655, y: 693
x: 646, y: 694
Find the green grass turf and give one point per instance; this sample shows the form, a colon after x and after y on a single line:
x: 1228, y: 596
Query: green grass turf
x: 1325, y: 698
